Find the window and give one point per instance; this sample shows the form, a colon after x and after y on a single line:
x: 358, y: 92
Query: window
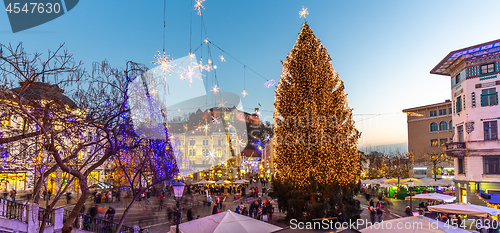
x: 218, y: 153
x: 433, y: 113
x: 434, y: 142
x: 489, y: 97
x: 488, y: 68
x: 192, y: 152
x: 490, y: 130
x: 449, y: 111
x: 434, y: 126
x: 458, y: 104
x: 192, y: 142
x: 219, y: 142
x: 491, y: 165
x: 460, y: 165
x: 442, y: 141
x: 457, y: 79
x: 460, y: 132
x: 442, y: 111
x: 5, y: 120
x: 443, y: 125
x: 205, y: 142
x: 450, y: 126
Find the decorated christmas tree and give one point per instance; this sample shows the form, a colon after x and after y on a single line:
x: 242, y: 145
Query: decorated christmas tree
x: 315, y: 141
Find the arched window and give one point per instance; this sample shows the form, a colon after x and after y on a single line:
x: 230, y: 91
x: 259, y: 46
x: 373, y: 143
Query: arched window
x: 434, y: 126
x: 450, y: 126
x: 443, y: 125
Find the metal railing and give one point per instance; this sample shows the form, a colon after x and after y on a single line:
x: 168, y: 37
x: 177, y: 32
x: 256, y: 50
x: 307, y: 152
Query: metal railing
x: 48, y: 221
x: 96, y: 224
x: 11, y: 209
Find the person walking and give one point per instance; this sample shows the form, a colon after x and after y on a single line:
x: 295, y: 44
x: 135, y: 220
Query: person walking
x: 110, y: 214
x: 190, y: 214
x: 379, y: 213
x: 408, y: 211
x: 215, y: 209
x: 13, y: 194
x: 372, y: 214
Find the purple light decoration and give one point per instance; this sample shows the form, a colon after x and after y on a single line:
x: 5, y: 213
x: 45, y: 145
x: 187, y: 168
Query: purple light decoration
x: 269, y: 83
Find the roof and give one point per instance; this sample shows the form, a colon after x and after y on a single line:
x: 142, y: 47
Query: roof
x: 250, y: 153
x: 45, y: 91
x: 466, y: 53
x: 446, y: 102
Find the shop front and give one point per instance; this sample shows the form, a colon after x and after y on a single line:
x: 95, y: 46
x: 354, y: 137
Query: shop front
x: 14, y: 180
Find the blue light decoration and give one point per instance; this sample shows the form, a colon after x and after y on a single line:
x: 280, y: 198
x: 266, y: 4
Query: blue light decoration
x: 259, y: 146
x: 269, y: 83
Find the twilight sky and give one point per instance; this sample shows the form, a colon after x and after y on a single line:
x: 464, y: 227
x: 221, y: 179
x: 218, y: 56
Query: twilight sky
x: 383, y: 50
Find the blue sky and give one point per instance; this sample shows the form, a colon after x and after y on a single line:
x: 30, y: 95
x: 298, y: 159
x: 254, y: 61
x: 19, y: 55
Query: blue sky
x: 383, y: 50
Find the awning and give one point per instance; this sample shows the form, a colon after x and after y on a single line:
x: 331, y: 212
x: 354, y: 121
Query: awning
x: 104, y: 186
x: 462, y: 208
x: 433, y: 196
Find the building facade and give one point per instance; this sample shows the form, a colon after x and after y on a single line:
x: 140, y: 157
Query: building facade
x: 429, y: 129
x: 475, y: 80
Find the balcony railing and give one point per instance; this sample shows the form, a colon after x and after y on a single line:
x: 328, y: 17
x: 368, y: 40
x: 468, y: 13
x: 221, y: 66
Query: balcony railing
x: 455, y: 145
x: 11, y: 209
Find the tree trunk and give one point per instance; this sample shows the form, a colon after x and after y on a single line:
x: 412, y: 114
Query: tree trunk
x: 126, y: 211
x: 76, y: 210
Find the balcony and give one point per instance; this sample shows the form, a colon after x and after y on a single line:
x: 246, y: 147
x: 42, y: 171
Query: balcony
x: 482, y: 147
x: 455, y: 149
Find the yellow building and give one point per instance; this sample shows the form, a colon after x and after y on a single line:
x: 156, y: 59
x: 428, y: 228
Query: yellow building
x: 429, y: 129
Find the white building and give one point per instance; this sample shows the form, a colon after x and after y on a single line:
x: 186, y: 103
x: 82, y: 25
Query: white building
x: 475, y: 82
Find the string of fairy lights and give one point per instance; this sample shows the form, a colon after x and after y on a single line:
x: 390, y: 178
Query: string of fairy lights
x: 188, y: 71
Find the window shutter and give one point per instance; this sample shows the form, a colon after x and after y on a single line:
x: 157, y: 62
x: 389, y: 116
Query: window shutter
x: 496, y: 98
x: 482, y: 102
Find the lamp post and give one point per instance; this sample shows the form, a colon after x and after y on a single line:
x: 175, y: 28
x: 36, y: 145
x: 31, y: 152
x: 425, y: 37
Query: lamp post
x: 178, y: 191
x: 410, y: 185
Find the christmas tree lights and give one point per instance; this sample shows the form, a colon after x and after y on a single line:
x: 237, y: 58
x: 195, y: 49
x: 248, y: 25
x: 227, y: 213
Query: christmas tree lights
x: 314, y: 131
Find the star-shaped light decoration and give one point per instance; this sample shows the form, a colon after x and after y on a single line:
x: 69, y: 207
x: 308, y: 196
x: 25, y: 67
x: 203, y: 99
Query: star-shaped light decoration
x: 206, y: 41
x: 221, y: 103
x: 244, y: 93
x: 205, y: 128
x: 215, y: 120
x: 222, y: 59
x: 189, y: 73
x: 211, y: 155
x: 164, y: 62
x: 206, y: 67
x: 215, y: 89
x: 198, y: 6
x: 303, y: 12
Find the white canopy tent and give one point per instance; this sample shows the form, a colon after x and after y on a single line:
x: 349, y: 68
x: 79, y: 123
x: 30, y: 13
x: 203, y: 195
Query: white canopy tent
x: 225, y: 222
x: 202, y: 182
x: 241, y: 182
x: 415, y: 224
x: 433, y: 196
x: 462, y: 208
x: 223, y: 182
x: 442, y: 182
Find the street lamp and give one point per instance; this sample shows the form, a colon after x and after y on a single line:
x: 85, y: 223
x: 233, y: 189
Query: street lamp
x: 178, y: 191
x: 410, y: 185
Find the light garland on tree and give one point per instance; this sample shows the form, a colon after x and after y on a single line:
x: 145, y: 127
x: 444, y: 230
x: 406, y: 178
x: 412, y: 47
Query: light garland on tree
x: 314, y: 132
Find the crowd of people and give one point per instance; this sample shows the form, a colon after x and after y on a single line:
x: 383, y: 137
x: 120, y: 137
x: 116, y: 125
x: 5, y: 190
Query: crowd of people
x: 108, y: 195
